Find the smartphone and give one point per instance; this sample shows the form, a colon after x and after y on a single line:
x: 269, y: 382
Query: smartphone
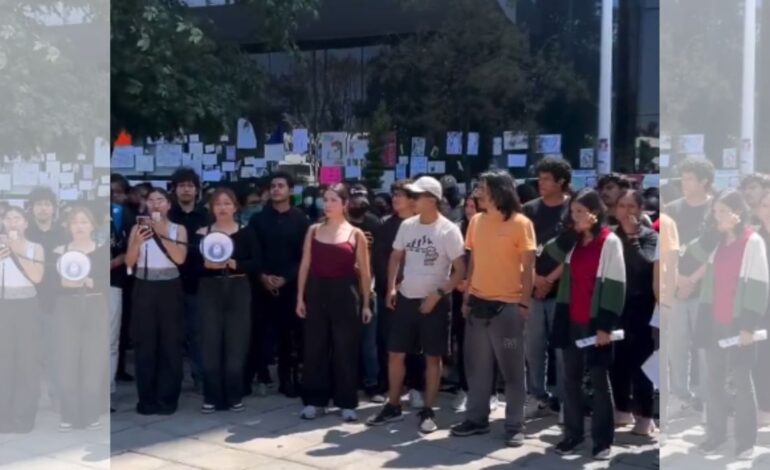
x: 143, y: 221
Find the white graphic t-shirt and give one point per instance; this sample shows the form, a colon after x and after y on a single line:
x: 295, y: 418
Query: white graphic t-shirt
x: 429, y: 252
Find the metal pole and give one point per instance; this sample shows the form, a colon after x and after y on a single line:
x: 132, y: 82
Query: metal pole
x: 604, y: 153
x: 749, y: 86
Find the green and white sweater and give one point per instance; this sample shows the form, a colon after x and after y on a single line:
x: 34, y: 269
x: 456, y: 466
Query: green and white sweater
x: 610, y: 291
x: 751, y: 297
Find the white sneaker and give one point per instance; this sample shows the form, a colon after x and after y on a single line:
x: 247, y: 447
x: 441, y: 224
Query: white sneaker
x: 415, y: 400
x: 308, y: 412
x: 623, y: 419
x: 460, y: 402
x: 493, y: 403
x: 643, y: 427
x: 603, y: 454
x: 349, y: 415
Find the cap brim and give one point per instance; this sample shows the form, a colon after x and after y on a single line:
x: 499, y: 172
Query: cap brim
x: 412, y: 188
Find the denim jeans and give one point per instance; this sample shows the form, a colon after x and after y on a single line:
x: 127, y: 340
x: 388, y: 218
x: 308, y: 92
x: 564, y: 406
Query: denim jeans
x: 681, y: 324
x: 193, y: 335
x: 369, y: 357
x: 539, y: 327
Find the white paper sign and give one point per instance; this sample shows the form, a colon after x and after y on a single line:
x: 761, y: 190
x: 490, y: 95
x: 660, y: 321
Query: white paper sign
x: 228, y: 166
x: 691, y: 143
x: 664, y: 160
x: 333, y: 147
x: 418, y: 165
x: 212, y: 175
x: 25, y: 173
x: 353, y: 172
x: 209, y: 159
x: 473, y: 143
x: 437, y: 168
x: 454, y: 143
x: 246, y: 137
x: 497, y: 146
x: 230, y: 152
x: 418, y: 147
x: 123, y: 157
x: 145, y: 163
x: 358, y: 149
x: 587, y: 158
x: 616, y: 335
x: 194, y: 138
x: 730, y: 158
x: 274, y: 152
x: 101, y: 153
x: 196, y: 148
x: 210, y: 148
x: 68, y: 194
x: 67, y: 178
x: 168, y: 155
x: 299, y: 138
x: 549, y: 143
x: 513, y: 140
x: 651, y: 368
x: 403, y: 160
x: 517, y: 160
x: 5, y: 182
x: 759, y: 335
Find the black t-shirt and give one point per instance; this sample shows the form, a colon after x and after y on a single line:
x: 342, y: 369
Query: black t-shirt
x: 381, y: 250
x: 119, y: 231
x: 369, y: 224
x: 49, y: 239
x: 690, y: 222
x: 548, y: 222
x: 246, y: 254
x: 281, y: 237
x: 192, y: 221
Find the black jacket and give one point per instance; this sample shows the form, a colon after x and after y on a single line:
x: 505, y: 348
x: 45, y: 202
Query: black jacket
x: 191, y: 221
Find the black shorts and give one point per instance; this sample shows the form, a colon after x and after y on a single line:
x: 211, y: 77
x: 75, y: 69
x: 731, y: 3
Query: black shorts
x: 412, y: 332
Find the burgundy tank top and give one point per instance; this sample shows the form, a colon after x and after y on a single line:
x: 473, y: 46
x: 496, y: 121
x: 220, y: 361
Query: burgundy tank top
x: 332, y: 260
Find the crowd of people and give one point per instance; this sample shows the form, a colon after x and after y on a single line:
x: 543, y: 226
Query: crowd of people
x: 351, y: 292
x: 401, y: 296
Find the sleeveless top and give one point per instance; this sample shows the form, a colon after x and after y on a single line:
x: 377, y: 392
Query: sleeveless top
x: 14, y: 284
x: 153, y: 264
x: 332, y: 260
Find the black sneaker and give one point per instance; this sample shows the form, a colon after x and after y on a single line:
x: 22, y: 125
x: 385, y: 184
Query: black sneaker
x: 468, y: 428
x: 710, y: 446
x: 427, y: 421
x: 568, y: 446
x: 388, y: 414
x: 514, y: 439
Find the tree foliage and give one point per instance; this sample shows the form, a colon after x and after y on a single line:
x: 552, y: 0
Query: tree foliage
x: 171, y: 74
x: 478, y: 72
x: 53, y: 76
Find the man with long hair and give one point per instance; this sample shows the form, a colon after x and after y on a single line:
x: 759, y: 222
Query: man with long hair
x: 496, y: 305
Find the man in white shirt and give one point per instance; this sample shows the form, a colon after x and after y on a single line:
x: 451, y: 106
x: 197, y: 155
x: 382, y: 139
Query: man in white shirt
x: 430, y: 249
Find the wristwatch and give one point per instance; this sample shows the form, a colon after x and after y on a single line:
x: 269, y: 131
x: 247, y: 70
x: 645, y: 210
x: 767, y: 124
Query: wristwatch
x: 441, y: 292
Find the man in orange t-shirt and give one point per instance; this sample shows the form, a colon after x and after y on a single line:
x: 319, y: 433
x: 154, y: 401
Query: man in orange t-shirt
x: 502, y: 245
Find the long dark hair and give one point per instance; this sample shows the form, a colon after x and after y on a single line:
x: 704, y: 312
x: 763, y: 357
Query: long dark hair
x: 502, y: 192
x: 591, y: 200
x: 737, y: 203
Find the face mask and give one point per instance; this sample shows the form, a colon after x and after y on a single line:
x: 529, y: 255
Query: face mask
x: 357, y: 212
x: 308, y: 201
x: 319, y: 204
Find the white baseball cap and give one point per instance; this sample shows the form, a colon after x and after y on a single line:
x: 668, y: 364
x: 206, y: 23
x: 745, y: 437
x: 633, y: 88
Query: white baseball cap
x: 426, y: 184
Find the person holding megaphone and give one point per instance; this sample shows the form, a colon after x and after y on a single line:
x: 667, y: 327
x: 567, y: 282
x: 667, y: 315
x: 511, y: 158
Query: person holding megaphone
x: 80, y: 324
x: 230, y: 252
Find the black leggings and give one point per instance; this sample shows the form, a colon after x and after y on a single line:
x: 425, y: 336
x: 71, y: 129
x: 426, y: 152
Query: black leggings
x: 225, y: 314
x: 626, y: 373
x: 332, y: 343
x: 157, y: 331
